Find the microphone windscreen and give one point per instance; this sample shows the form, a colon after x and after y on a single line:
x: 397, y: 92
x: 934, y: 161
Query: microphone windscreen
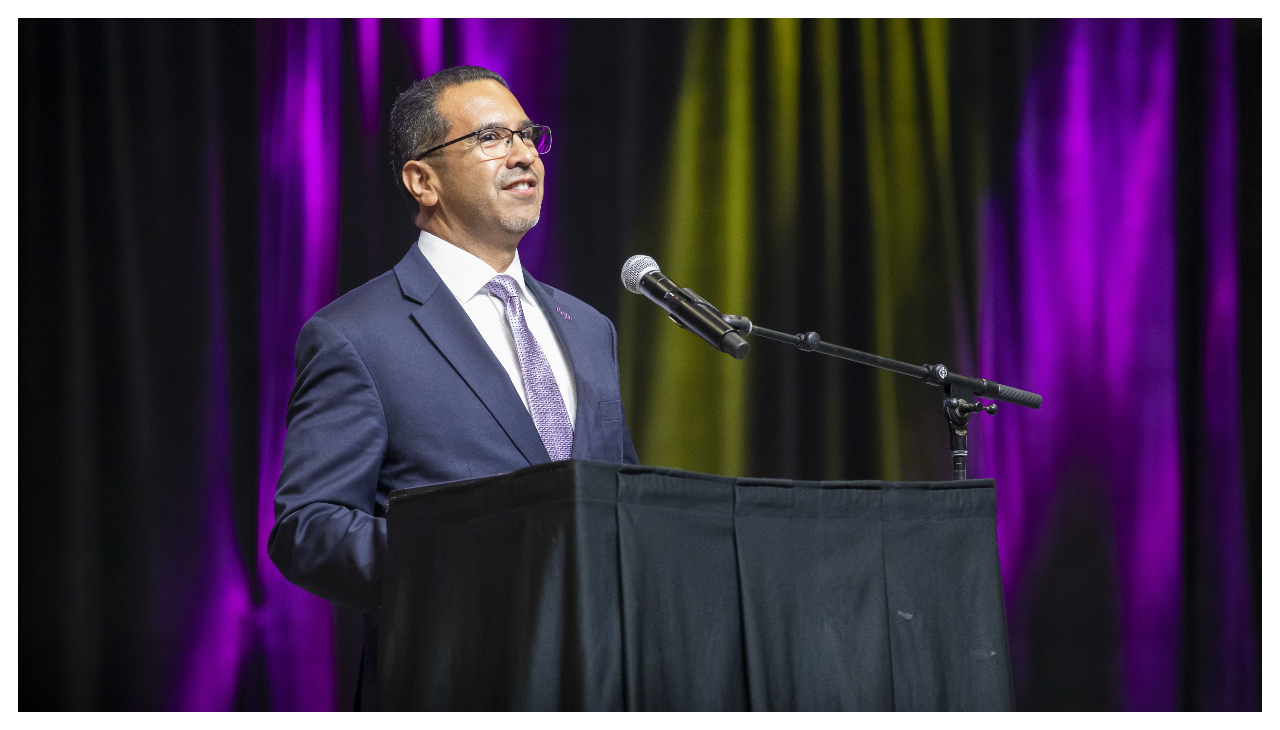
x: 636, y: 267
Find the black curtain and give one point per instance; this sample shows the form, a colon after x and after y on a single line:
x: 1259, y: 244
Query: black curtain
x: 1206, y: 682
x: 137, y: 219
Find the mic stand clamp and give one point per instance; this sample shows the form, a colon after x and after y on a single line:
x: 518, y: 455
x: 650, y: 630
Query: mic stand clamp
x: 959, y: 411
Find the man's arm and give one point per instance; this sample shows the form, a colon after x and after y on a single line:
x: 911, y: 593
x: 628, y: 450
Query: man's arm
x: 628, y: 449
x: 326, y: 539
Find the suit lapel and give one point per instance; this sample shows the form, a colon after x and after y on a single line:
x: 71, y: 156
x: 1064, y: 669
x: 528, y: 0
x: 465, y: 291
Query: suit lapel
x: 449, y: 328
x: 575, y: 350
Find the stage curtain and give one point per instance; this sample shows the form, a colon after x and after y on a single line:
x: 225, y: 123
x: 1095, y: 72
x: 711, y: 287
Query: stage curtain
x: 1071, y: 206
x: 138, y: 399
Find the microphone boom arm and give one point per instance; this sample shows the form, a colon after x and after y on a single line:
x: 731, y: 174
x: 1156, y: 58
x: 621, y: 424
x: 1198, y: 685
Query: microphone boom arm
x: 931, y: 374
x: 956, y: 387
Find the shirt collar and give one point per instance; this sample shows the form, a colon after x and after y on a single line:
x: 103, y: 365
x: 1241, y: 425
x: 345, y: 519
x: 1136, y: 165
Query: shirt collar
x: 462, y: 271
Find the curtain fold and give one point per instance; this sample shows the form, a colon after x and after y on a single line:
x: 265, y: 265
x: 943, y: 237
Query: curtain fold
x: 830, y: 139
x: 918, y: 284
x: 706, y: 235
x: 1082, y: 309
x: 301, y: 86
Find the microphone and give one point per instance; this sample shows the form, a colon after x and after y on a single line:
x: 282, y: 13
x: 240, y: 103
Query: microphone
x: 640, y: 275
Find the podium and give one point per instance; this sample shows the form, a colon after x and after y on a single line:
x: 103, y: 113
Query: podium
x: 581, y: 585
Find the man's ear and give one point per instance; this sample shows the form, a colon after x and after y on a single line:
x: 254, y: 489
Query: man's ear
x: 422, y: 181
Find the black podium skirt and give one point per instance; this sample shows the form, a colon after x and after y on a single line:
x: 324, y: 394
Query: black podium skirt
x: 588, y: 586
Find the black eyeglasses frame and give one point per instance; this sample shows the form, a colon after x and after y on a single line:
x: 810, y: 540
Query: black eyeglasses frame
x: 513, y: 132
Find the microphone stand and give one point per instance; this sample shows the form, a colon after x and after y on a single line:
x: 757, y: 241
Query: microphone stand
x: 959, y: 399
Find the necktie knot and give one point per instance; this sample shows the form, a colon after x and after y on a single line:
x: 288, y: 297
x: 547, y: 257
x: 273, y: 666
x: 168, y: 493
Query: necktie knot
x: 503, y: 287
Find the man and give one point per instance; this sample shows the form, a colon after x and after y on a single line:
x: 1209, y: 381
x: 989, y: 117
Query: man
x: 455, y: 364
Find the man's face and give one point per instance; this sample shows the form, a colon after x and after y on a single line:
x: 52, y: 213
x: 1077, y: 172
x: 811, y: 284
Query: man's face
x: 478, y: 191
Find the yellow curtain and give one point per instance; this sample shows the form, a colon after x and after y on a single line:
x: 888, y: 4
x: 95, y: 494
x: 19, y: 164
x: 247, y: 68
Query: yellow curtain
x: 917, y: 274
x: 675, y: 385
x: 761, y: 117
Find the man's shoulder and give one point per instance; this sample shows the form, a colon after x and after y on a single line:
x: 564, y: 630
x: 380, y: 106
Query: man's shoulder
x: 380, y: 296
x: 368, y: 318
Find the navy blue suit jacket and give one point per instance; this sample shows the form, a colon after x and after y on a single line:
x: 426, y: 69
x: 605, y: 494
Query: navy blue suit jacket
x: 396, y: 388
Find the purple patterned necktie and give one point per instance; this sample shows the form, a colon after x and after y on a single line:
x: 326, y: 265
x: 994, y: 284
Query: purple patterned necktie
x: 546, y: 405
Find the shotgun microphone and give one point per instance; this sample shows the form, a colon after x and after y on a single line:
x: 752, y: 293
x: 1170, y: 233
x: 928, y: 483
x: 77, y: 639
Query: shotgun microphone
x: 640, y: 275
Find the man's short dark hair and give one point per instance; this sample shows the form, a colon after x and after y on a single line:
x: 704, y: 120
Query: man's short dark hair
x: 416, y: 122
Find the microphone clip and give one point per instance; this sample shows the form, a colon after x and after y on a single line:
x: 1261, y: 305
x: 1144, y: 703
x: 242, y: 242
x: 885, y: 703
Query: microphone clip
x: 672, y: 298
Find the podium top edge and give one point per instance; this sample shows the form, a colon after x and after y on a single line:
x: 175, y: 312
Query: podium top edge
x: 636, y: 469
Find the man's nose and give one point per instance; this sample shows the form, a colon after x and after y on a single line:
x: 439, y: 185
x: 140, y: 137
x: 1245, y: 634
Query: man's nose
x: 521, y: 154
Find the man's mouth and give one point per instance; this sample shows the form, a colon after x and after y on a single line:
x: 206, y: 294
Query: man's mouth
x: 526, y: 185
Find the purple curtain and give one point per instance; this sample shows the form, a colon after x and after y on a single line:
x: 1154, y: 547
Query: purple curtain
x: 300, y: 87
x: 1079, y: 303
x: 301, y: 94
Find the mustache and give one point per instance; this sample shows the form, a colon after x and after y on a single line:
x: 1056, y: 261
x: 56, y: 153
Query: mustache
x: 505, y: 179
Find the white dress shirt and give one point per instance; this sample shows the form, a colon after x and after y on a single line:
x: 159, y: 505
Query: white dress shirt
x: 465, y: 275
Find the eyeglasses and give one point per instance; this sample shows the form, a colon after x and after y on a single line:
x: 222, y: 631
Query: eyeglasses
x: 496, y: 141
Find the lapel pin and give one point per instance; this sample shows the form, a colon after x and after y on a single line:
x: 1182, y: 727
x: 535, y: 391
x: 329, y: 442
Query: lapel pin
x: 564, y: 314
